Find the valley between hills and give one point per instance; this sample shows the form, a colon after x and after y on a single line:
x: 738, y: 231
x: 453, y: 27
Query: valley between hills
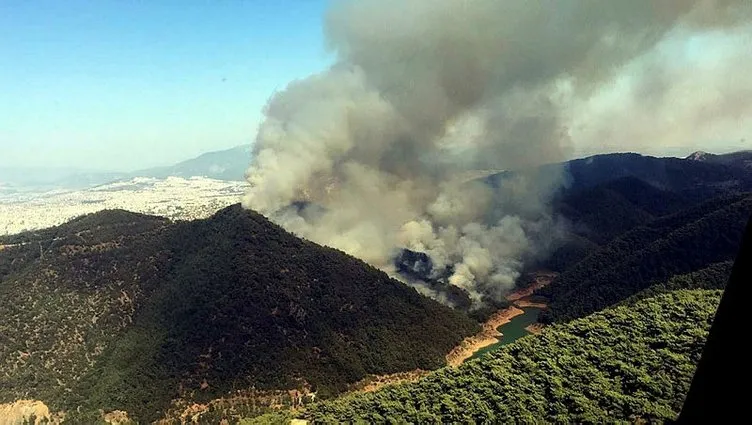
x: 120, y: 317
x: 441, y: 212
x: 489, y: 335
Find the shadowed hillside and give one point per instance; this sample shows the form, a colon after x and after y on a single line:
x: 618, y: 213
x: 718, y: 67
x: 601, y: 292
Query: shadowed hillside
x: 605, y: 211
x: 605, y: 196
x: 697, y: 180
x: 676, y: 244
x: 741, y: 159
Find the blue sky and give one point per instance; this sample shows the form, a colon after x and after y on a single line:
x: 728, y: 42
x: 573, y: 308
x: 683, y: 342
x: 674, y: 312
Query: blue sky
x: 128, y: 84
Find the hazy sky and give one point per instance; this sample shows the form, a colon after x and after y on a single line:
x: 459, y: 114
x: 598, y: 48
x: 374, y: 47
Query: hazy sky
x: 111, y: 84
x: 128, y: 84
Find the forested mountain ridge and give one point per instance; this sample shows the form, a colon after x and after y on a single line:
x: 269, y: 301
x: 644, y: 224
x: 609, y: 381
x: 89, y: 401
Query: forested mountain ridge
x: 741, y: 159
x: 605, y: 211
x: 715, y: 276
x: 122, y: 311
x: 688, y: 179
x: 67, y: 292
x: 114, y: 319
x: 692, y: 179
x: 680, y: 243
x: 632, y: 362
x: 604, y: 196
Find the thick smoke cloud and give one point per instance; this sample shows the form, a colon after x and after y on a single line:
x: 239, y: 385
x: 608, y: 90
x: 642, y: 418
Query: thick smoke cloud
x: 378, y: 153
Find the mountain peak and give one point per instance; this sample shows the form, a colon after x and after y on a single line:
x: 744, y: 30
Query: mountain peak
x: 699, y: 156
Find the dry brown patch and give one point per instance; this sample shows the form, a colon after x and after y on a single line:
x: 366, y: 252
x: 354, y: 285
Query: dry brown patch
x: 535, y: 328
x: 116, y: 417
x: 539, y: 280
x: 23, y: 410
x: 237, y: 405
x: 376, y: 382
x: 526, y: 303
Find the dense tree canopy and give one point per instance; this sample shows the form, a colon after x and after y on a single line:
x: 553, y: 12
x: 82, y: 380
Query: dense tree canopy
x: 128, y: 312
x: 649, y: 254
x: 631, y: 362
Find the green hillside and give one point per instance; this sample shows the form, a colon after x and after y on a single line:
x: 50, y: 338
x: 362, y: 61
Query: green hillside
x: 633, y: 362
x: 67, y: 292
x: 677, y: 244
x: 120, y: 311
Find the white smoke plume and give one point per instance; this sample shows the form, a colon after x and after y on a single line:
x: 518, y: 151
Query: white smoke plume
x: 378, y: 153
